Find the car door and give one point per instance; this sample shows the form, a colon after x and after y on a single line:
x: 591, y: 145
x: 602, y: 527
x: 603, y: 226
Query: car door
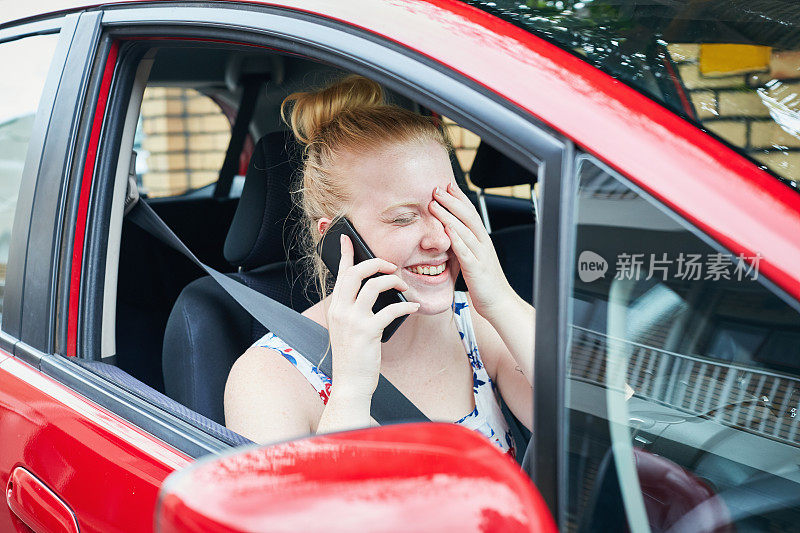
x: 66, y: 463
x: 116, y: 438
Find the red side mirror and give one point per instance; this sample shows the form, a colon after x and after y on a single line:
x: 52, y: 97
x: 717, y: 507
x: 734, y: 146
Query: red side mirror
x: 409, y: 477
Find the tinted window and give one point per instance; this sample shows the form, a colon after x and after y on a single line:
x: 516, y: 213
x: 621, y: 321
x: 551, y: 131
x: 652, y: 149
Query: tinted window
x: 683, y: 375
x: 729, y: 65
x: 25, y: 64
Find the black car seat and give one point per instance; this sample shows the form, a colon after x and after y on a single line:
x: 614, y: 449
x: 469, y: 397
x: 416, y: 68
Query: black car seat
x: 207, y: 330
x: 514, y: 244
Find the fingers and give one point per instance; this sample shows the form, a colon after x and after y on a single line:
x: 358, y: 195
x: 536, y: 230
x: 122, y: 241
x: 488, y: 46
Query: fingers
x: 449, y: 220
x: 348, y: 283
x: 345, y: 263
x: 373, y: 287
x: 462, y: 209
x: 465, y: 255
x: 385, y: 316
x: 346, y: 245
x: 456, y: 191
x: 370, y: 267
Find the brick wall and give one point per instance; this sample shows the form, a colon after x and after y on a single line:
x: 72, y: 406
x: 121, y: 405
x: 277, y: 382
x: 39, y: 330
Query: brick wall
x: 185, y: 136
x: 736, y: 105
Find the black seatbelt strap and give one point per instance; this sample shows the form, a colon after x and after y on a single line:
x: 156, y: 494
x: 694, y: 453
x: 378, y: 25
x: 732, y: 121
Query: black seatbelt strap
x: 389, y: 405
x: 247, y: 105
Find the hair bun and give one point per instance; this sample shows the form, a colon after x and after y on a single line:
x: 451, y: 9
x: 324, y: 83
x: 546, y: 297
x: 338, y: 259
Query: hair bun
x: 313, y: 110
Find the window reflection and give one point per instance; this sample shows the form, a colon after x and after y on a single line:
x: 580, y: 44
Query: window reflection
x: 732, y: 66
x: 25, y: 65
x: 674, y: 377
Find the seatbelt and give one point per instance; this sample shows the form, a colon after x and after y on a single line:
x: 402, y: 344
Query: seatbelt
x: 389, y: 405
x: 247, y: 104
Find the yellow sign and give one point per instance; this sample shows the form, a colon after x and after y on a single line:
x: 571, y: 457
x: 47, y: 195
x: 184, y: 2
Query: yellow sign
x: 727, y: 59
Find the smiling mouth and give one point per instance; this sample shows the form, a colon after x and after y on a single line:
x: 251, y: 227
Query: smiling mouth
x: 428, y: 270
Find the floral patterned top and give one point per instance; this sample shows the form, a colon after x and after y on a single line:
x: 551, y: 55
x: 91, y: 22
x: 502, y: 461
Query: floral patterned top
x: 486, y: 418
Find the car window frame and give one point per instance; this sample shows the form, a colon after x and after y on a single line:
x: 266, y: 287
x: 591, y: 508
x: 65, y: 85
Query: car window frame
x: 521, y: 135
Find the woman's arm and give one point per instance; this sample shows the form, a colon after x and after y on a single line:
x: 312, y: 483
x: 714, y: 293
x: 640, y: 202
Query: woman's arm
x: 263, y: 398
x: 490, y: 293
x: 514, y: 322
x: 266, y: 398
x: 504, y: 320
x: 355, y: 333
x: 345, y: 410
x: 510, y: 370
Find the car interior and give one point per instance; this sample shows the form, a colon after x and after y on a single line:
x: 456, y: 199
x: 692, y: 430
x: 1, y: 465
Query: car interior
x: 170, y: 333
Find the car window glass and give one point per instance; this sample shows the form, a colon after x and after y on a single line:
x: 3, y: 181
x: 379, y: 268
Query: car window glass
x: 181, y: 140
x: 683, y: 382
x: 25, y: 65
x: 730, y: 66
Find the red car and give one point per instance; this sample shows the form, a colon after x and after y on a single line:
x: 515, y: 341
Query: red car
x: 636, y: 163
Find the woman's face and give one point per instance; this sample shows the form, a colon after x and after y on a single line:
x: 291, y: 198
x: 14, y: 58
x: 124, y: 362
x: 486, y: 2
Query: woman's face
x: 390, y: 191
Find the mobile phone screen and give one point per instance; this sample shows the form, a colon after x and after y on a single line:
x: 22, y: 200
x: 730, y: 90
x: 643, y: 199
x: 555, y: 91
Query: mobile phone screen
x: 330, y: 250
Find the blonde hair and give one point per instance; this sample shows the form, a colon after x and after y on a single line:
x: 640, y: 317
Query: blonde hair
x: 351, y: 114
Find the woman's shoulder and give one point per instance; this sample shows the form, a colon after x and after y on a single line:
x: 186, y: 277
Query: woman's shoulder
x: 264, y: 373
x: 265, y: 399
x: 263, y: 363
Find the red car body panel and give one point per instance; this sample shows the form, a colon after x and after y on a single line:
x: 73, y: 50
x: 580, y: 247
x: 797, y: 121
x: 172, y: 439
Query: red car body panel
x: 420, y: 477
x: 82, y: 452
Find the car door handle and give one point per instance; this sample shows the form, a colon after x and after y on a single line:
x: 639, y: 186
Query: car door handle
x: 37, y: 506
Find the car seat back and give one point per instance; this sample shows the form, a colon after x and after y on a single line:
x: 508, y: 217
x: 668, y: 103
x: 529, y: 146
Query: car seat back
x: 207, y: 330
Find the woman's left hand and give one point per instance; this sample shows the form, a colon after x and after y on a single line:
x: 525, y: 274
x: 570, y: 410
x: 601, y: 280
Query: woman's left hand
x: 488, y: 287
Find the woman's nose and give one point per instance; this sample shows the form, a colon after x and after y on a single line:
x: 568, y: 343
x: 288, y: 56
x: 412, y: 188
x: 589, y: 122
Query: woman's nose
x: 435, y: 237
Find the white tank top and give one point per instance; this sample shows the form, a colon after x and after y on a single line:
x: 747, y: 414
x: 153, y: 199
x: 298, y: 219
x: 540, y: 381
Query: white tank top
x: 486, y: 418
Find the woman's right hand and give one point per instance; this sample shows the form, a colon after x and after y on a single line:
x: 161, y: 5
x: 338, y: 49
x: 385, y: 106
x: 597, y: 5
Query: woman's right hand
x: 355, y: 331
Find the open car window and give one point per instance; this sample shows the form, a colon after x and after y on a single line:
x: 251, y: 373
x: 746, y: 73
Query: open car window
x: 176, y: 332
x: 465, y: 144
x: 181, y: 139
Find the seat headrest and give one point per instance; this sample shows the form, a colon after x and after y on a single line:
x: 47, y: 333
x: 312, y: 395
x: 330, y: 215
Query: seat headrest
x: 264, y: 220
x: 492, y: 169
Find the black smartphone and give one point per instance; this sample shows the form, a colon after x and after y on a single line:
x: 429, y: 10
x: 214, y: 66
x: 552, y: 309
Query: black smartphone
x: 330, y: 249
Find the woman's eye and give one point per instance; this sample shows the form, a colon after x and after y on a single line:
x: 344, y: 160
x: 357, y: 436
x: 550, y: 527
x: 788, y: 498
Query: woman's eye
x: 403, y: 220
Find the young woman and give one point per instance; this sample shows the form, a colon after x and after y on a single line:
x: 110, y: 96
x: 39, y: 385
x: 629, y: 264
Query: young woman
x: 388, y: 171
